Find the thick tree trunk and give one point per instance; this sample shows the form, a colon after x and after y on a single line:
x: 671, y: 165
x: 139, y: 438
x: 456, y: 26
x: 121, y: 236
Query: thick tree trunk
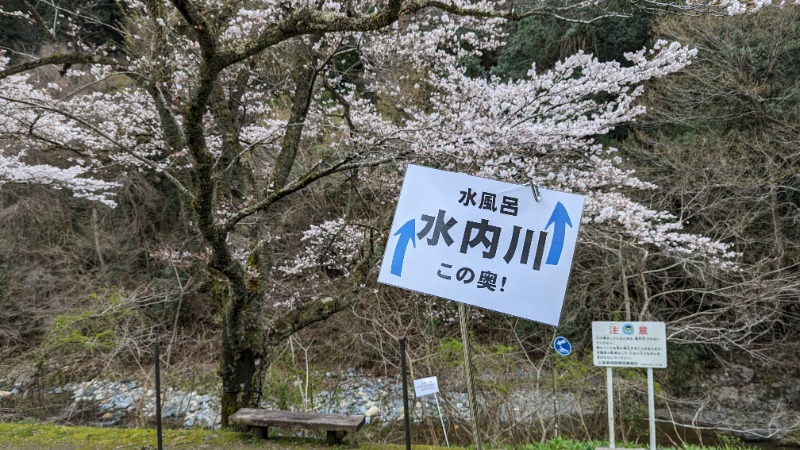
x: 240, y: 378
x: 241, y: 353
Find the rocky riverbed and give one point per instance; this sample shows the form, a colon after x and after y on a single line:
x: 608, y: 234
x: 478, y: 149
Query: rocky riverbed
x: 380, y: 399
x: 728, y: 402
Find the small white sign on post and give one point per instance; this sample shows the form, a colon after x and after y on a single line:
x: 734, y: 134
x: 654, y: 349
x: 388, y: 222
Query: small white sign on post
x: 426, y: 386
x: 483, y: 242
x: 430, y: 386
x: 629, y: 344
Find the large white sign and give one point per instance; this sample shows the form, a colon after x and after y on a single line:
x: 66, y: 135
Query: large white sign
x: 426, y: 386
x: 629, y: 344
x: 483, y: 242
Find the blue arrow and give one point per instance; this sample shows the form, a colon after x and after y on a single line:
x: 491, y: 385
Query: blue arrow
x: 407, y: 233
x: 559, y: 219
x: 562, y: 346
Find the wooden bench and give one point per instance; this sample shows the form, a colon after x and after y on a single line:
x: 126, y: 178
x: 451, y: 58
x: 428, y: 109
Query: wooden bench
x: 336, y: 425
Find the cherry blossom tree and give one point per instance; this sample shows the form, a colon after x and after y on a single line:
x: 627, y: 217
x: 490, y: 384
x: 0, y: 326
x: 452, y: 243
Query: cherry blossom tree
x: 242, y: 104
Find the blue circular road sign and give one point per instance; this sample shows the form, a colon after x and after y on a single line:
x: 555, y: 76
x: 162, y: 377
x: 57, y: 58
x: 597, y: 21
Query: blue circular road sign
x: 562, y: 346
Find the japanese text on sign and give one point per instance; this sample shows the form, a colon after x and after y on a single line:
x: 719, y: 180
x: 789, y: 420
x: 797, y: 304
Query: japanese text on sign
x: 426, y: 386
x: 629, y: 344
x: 483, y: 242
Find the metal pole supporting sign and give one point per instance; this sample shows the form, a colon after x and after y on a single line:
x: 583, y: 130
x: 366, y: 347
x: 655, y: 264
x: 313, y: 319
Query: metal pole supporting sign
x: 610, y: 389
x: 563, y: 348
x: 651, y: 408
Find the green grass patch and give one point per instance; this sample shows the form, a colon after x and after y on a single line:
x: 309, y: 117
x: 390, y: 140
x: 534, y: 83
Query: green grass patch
x: 34, y: 436
x: 39, y: 436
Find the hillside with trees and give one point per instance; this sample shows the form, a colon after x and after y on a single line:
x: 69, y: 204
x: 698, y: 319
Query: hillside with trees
x: 220, y: 177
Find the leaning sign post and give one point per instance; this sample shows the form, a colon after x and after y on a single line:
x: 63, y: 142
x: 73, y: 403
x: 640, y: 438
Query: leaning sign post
x: 430, y: 386
x: 630, y: 345
x: 485, y: 243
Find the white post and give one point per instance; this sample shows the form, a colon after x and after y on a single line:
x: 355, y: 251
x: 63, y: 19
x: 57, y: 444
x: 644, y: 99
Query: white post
x: 444, y: 430
x: 651, y: 406
x: 610, y: 392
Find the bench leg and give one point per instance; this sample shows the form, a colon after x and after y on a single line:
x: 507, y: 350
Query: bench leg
x: 335, y: 437
x: 261, y: 432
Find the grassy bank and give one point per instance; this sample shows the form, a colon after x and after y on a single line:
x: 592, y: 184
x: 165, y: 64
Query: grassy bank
x: 30, y: 436
x: 25, y: 436
x: 34, y: 436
